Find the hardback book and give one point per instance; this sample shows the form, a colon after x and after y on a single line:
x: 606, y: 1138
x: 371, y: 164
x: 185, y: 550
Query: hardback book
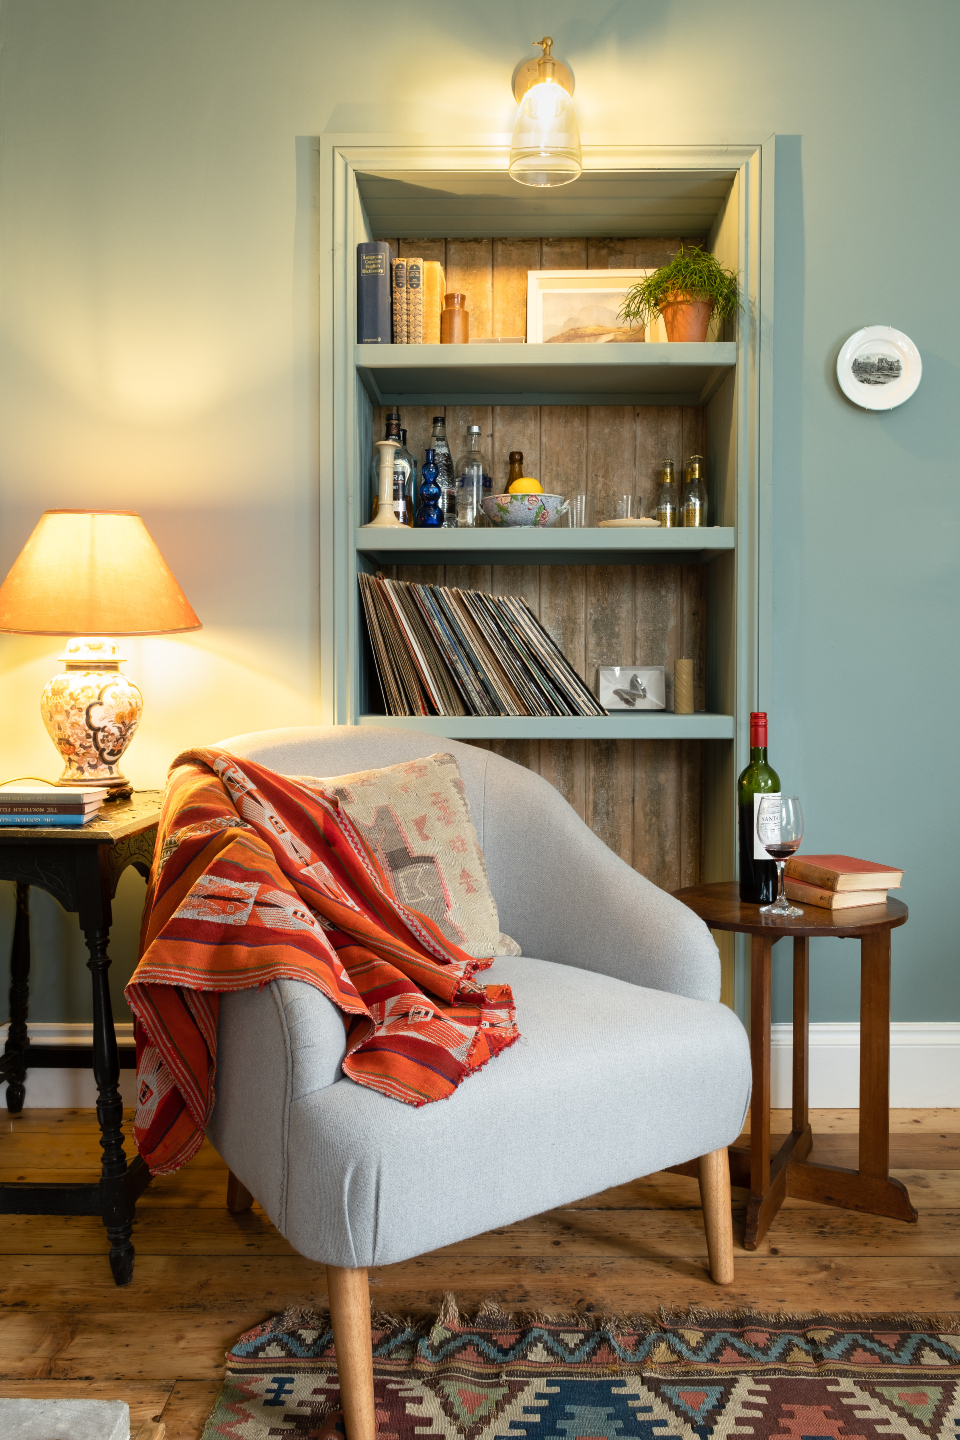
x: 33, y: 822
x: 374, y: 305
x: 38, y: 798
x: 434, y: 286
x: 831, y: 899
x: 399, y: 301
x: 414, y: 301
x: 842, y: 872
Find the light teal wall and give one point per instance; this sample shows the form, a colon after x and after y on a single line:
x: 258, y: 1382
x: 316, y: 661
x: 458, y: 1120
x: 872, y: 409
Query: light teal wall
x: 156, y: 352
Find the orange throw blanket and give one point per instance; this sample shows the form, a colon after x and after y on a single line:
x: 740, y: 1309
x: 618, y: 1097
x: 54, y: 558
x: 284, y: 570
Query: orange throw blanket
x: 257, y: 877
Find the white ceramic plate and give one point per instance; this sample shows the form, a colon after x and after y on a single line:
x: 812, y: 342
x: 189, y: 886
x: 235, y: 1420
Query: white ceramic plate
x: 878, y: 368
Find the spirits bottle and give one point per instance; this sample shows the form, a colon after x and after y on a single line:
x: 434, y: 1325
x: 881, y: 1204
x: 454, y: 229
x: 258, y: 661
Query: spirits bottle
x: 474, y: 480
x: 667, y: 507
x: 444, y: 464
x: 516, y: 467
x: 405, y: 474
x: 429, y: 513
x: 391, y: 432
x: 693, y: 511
x: 758, y: 873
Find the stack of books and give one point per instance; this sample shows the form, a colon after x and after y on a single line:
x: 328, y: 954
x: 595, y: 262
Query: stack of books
x: 441, y: 651
x: 838, y: 882
x: 33, y: 803
x: 397, y: 300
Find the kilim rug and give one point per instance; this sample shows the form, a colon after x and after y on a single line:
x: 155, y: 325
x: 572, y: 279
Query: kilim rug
x: 677, y: 1378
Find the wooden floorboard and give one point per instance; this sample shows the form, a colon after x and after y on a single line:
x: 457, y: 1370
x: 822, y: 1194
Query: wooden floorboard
x: 203, y: 1275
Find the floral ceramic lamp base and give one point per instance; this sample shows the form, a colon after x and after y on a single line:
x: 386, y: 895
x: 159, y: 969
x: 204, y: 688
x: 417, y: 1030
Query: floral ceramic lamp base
x: 91, y: 713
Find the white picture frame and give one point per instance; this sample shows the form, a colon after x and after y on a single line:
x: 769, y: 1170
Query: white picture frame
x: 556, y: 299
x: 616, y: 684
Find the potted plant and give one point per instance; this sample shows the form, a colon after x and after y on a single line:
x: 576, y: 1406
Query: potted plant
x: 689, y: 291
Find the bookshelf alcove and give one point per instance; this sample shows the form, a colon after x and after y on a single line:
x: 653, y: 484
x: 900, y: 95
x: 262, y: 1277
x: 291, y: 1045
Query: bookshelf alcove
x: 657, y: 787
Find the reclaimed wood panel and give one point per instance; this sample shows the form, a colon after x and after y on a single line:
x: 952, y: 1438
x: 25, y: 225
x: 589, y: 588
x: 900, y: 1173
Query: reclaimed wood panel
x: 644, y: 798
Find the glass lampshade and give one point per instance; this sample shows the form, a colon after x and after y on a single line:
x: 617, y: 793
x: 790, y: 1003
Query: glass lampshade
x: 546, y: 138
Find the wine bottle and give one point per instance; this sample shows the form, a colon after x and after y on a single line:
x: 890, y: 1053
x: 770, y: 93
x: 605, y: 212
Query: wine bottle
x: 758, y: 873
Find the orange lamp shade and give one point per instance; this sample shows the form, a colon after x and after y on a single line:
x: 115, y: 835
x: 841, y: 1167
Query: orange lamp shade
x: 92, y: 572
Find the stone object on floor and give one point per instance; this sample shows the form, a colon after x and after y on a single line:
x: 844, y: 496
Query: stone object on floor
x: 64, y: 1420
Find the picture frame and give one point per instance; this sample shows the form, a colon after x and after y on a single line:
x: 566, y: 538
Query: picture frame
x: 632, y: 687
x: 558, y: 299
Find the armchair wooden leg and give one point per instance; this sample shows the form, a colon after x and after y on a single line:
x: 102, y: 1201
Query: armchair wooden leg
x: 238, y: 1196
x: 714, y: 1174
x: 350, y: 1313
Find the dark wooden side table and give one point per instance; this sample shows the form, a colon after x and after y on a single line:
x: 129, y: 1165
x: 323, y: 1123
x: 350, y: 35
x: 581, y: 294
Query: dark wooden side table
x: 80, y: 867
x: 771, y: 1179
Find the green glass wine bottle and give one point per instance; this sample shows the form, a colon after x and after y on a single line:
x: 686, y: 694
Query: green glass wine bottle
x: 758, y: 873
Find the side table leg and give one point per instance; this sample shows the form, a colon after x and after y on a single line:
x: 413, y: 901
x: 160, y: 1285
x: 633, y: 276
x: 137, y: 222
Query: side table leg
x: 15, y: 1050
x: 760, y: 971
x: 106, y: 1069
x: 875, y: 1055
x: 801, y: 1028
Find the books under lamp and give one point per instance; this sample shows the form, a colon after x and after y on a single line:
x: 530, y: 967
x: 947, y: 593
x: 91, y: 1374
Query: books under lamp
x: 94, y: 575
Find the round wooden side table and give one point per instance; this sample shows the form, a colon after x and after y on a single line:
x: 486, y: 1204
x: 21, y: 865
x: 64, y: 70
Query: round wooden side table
x: 770, y: 1179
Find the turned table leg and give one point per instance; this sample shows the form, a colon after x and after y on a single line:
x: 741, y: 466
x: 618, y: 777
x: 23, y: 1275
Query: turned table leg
x: 106, y: 1070
x: 15, y: 1050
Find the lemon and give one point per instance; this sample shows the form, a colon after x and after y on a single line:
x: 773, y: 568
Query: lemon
x: 526, y: 485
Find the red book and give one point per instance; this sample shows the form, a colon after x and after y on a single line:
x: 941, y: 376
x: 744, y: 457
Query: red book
x: 842, y: 872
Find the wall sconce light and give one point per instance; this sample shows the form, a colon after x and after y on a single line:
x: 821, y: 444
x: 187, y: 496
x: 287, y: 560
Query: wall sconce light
x: 546, y: 139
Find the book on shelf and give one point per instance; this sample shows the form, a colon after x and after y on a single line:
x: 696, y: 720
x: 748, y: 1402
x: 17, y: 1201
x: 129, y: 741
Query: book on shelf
x: 842, y: 872
x: 414, y: 300
x: 831, y: 899
x: 374, y: 299
x: 434, y: 286
x: 443, y: 651
x: 398, y: 294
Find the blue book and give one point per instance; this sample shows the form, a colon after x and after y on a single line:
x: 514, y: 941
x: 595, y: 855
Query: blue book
x: 374, y: 301
x: 58, y: 820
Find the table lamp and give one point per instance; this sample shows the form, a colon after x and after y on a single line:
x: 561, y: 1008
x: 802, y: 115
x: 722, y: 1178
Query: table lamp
x: 92, y: 574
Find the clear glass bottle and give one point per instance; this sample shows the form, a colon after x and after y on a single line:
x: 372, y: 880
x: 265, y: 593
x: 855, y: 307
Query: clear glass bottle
x: 391, y: 432
x: 474, y: 480
x: 693, y: 511
x: 668, y: 509
x: 429, y: 513
x: 405, y: 474
x: 444, y: 463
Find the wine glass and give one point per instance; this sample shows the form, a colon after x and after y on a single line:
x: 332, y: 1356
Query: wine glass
x: 780, y: 830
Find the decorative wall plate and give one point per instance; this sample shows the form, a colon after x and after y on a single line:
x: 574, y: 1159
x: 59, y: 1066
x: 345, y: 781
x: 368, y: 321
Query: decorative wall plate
x: 879, y: 367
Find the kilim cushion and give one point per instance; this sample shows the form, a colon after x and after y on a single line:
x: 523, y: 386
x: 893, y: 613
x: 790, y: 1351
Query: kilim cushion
x: 416, y: 819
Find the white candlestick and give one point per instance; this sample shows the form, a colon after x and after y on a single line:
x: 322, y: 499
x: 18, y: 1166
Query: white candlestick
x: 385, y: 512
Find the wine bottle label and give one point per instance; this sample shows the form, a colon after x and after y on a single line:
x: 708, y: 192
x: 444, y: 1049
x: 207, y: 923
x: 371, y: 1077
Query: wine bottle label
x: 771, y: 827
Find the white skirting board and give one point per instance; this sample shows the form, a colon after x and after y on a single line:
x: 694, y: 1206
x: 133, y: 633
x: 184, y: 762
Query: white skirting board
x: 68, y: 1089
x: 924, y: 1066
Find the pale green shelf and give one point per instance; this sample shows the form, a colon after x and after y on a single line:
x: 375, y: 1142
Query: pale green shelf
x: 644, y: 374
x: 650, y: 725
x: 555, y: 546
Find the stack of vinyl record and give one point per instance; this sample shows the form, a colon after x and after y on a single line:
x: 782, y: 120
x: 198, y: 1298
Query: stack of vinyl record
x: 441, y: 651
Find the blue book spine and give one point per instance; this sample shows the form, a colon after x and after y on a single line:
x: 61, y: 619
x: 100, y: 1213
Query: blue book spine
x: 25, y: 820
x: 374, y: 303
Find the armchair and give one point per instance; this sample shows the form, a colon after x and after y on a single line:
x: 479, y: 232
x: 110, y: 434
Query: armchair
x: 628, y: 1062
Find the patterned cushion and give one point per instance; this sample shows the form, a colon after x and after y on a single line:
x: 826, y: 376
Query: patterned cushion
x: 416, y: 819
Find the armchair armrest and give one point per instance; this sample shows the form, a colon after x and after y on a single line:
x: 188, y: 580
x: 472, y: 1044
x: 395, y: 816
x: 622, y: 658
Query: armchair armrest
x: 564, y: 896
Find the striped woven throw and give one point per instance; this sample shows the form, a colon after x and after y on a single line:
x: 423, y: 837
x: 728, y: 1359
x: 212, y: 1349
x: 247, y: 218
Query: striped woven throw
x: 258, y: 877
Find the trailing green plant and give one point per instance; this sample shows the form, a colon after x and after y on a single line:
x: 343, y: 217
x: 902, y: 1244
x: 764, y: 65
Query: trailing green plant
x: 692, y: 272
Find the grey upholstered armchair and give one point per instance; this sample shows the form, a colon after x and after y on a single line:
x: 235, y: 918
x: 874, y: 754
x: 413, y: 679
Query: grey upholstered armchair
x: 629, y: 1063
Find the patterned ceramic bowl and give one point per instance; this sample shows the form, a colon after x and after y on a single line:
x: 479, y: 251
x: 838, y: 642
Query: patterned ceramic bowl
x: 539, y: 510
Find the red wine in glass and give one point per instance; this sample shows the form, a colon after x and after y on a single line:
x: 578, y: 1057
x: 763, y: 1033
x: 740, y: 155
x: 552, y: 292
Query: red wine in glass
x: 780, y: 830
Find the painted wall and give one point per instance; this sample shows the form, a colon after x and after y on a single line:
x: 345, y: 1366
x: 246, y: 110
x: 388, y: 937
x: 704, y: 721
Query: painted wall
x: 157, y: 324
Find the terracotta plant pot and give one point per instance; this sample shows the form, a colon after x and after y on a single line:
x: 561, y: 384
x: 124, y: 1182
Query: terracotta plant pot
x: 686, y: 319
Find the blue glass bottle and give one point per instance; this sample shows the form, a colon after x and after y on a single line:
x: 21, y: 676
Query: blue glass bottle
x: 429, y: 514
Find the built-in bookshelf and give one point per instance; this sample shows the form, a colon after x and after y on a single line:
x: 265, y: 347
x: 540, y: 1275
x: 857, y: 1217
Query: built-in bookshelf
x: 656, y: 786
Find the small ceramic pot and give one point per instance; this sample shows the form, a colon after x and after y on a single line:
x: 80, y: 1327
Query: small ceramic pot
x: 686, y: 319
x: 535, y: 510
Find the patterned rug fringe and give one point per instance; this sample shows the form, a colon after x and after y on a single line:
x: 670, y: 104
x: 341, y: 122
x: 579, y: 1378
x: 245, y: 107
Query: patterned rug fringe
x: 491, y: 1316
